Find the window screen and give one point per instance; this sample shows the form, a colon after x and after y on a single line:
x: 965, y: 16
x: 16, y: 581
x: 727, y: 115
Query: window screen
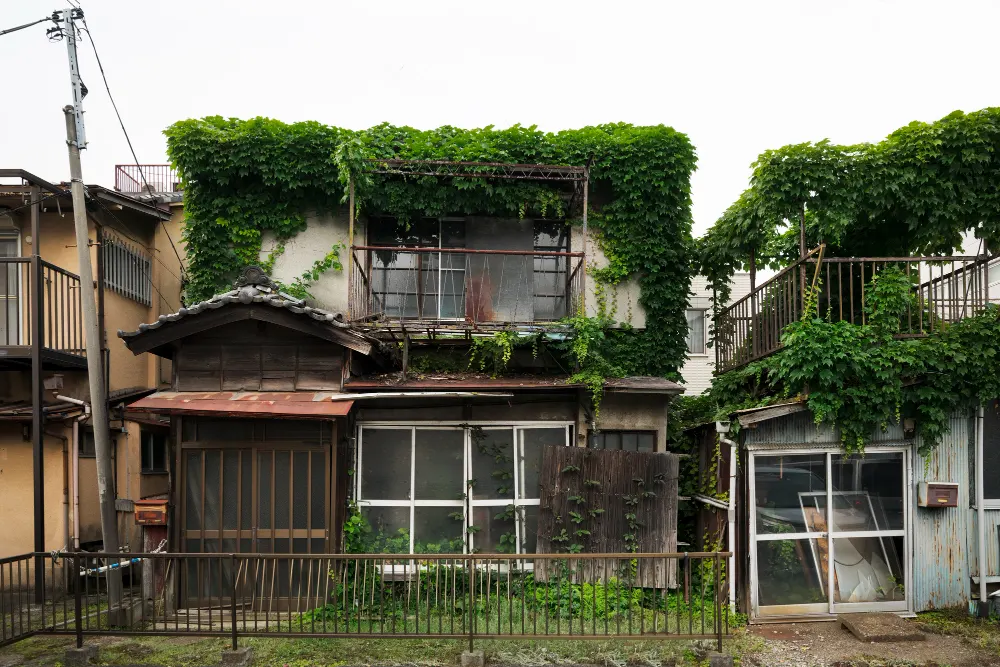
x: 696, y: 331
x: 628, y: 441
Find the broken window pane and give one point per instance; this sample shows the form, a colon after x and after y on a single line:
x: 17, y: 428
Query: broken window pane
x: 867, y: 569
x: 385, y: 464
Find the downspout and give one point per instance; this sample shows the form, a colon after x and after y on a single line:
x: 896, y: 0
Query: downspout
x: 76, y: 464
x: 981, y: 514
x: 65, y: 467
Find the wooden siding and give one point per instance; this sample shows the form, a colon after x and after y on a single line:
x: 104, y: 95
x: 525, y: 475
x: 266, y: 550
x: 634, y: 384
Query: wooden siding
x: 257, y: 357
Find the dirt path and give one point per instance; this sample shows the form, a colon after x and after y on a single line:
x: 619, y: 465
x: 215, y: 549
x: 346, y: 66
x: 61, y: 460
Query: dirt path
x: 826, y: 644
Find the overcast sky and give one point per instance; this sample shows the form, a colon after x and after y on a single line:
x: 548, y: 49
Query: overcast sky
x: 738, y: 77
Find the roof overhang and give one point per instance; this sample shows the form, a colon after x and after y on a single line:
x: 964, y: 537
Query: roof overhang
x: 293, y: 404
x: 32, y: 179
x: 752, y: 416
x: 124, y: 201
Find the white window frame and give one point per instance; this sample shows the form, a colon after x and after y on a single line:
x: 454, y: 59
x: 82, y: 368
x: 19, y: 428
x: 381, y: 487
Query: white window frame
x: 830, y: 607
x: 704, y: 332
x: 468, y: 541
x: 988, y: 503
x: 19, y: 337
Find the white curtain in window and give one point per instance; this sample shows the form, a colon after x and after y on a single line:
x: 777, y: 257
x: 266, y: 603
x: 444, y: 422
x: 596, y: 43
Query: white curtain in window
x: 696, y: 331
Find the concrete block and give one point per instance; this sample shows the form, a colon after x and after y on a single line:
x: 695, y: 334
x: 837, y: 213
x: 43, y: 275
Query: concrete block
x: 720, y: 660
x: 241, y: 657
x: 881, y: 627
x: 80, y: 657
x: 473, y: 659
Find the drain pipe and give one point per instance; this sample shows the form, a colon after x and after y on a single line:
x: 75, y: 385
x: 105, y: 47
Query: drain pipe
x: 76, y: 464
x: 723, y: 429
x: 981, y: 514
x: 65, y: 467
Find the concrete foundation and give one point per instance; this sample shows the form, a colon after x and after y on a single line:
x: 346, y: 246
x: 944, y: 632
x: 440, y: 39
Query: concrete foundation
x: 241, y: 657
x: 80, y: 657
x: 473, y: 659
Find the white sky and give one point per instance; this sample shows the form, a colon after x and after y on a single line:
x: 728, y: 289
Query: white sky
x: 738, y: 77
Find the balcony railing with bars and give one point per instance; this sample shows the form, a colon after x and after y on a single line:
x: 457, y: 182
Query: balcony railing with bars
x: 60, y: 314
x: 461, y: 286
x: 147, y: 178
x: 944, y: 289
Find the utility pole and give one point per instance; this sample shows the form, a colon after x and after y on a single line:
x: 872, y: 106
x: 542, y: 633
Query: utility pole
x: 76, y: 139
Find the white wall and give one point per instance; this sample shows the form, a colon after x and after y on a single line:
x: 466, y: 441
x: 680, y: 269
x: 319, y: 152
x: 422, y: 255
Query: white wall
x: 697, y: 370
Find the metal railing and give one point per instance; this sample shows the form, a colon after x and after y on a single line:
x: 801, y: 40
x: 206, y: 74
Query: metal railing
x: 944, y: 289
x: 444, y: 596
x: 462, y: 285
x: 158, y: 178
x: 61, y: 317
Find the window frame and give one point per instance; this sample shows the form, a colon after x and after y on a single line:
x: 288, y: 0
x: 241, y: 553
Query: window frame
x: 87, y: 432
x: 704, y: 332
x: 988, y: 502
x: 128, y: 269
x: 467, y: 505
x: 651, y: 432
x: 13, y: 271
x: 152, y: 436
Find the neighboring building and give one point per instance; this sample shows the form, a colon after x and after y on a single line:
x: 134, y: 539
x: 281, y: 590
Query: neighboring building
x: 906, y: 530
x: 285, y: 413
x: 41, y: 331
x: 699, y: 367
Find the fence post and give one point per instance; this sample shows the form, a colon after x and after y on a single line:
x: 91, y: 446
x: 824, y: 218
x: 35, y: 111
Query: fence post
x: 232, y: 598
x: 77, y: 603
x: 718, y: 601
x: 472, y: 600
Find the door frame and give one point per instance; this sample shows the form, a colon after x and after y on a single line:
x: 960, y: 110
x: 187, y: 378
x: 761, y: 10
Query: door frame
x: 830, y: 608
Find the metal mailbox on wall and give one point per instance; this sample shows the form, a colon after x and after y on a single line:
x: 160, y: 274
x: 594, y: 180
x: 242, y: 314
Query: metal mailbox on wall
x: 937, y: 494
x: 151, y: 512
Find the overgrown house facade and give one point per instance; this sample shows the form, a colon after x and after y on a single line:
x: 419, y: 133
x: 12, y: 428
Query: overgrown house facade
x: 389, y: 389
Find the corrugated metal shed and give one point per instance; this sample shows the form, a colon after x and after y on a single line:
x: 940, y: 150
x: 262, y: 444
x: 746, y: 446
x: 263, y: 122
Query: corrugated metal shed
x: 941, y: 537
x: 799, y: 430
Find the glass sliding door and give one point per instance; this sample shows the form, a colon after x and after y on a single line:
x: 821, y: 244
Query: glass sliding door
x: 828, y: 532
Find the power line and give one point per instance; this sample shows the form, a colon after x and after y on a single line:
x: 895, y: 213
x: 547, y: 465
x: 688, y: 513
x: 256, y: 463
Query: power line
x: 142, y: 174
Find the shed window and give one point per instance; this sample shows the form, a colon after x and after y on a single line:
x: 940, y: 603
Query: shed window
x: 991, y: 452
x: 154, y: 452
x: 452, y: 488
x: 696, y: 341
x: 629, y: 441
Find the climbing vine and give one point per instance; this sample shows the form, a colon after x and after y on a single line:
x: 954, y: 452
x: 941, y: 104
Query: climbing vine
x: 245, y: 178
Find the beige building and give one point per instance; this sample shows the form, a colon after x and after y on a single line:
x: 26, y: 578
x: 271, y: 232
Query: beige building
x: 139, y: 277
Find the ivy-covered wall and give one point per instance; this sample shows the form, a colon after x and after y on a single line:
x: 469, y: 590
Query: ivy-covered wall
x: 245, y: 179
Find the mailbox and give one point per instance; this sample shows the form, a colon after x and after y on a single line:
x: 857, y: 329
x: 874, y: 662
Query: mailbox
x: 937, y: 494
x: 151, y: 512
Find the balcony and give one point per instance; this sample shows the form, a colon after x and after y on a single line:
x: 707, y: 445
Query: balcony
x: 135, y: 179
x: 58, y: 312
x: 461, y: 288
x: 945, y: 289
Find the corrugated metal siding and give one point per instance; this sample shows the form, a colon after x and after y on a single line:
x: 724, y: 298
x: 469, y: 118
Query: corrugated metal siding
x: 941, y: 536
x: 799, y: 430
x: 992, y: 543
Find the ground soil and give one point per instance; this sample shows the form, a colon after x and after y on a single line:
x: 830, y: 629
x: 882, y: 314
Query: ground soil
x: 827, y: 644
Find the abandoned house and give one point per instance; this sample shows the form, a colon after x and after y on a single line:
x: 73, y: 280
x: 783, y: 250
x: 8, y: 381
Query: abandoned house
x: 286, y: 416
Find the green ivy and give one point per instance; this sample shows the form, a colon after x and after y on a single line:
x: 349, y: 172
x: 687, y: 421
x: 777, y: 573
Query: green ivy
x: 243, y: 178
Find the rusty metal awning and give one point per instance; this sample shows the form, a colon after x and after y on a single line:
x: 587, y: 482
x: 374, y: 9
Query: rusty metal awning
x: 292, y: 404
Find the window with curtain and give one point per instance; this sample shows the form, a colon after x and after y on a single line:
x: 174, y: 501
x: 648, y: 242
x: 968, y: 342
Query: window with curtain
x: 696, y: 340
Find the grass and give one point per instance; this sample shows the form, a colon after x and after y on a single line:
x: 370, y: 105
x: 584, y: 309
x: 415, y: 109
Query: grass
x: 981, y: 633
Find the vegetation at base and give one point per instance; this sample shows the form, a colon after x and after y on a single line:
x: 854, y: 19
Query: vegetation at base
x: 243, y: 178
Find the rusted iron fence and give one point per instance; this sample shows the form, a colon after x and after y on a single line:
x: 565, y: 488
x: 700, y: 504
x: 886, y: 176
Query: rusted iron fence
x: 944, y: 289
x: 146, y: 178
x: 453, y: 596
x: 481, y: 287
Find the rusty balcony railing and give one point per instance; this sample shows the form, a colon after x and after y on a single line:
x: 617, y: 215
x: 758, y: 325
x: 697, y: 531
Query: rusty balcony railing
x: 464, y: 286
x: 61, y: 317
x: 944, y: 289
x: 146, y: 178
x: 435, y: 596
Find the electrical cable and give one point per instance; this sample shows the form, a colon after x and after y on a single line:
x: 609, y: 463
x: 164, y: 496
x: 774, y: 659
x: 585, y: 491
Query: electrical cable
x: 128, y: 140
x: 32, y: 203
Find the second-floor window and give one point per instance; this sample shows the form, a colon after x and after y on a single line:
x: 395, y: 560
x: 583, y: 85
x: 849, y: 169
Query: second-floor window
x: 696, y: 338
x: 414, y: 282
x: 127, y: 270
x: 10, y: 288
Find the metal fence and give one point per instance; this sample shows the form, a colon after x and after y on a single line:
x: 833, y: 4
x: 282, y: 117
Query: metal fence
x: 944, y: 289
x: 147, y: 178
x: 59, y: 310
x: 456, y: 596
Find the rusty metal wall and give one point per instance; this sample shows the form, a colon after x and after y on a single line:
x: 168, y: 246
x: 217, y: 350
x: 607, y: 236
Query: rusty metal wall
x: 942, y: 537
x: 799, y: 430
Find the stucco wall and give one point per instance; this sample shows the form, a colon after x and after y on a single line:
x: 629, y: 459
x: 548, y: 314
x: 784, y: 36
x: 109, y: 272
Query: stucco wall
x: 698, y: 368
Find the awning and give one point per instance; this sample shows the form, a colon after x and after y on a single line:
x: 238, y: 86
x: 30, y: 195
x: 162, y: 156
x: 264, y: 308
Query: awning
x: 293, y: 404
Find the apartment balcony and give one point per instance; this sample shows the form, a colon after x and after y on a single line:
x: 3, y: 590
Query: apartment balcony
x: 50, y: 294
x: 944, y: 289
x: 146, y: 179
x: 425, y: 289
